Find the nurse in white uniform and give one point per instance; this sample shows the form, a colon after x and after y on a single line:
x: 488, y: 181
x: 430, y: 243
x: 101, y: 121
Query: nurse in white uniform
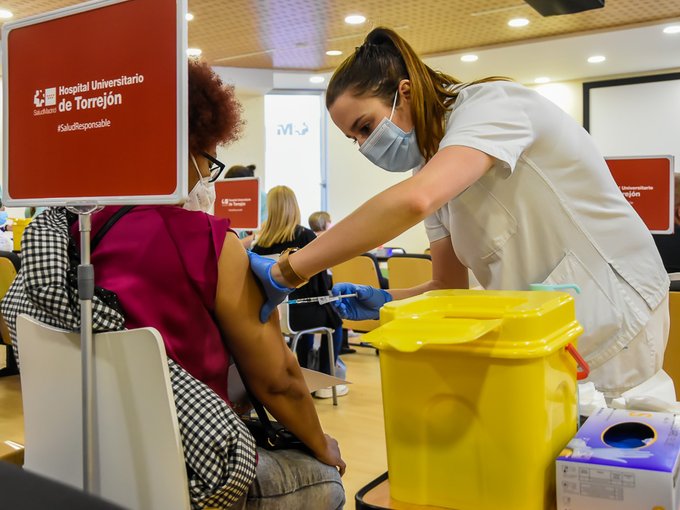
x: 510, y: 187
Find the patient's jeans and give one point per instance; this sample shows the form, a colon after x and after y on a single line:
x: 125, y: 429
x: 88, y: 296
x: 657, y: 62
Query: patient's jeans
x: 292, y: 480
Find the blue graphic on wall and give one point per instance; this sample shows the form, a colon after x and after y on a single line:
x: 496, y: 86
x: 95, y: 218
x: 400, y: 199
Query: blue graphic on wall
x: 292, y: 129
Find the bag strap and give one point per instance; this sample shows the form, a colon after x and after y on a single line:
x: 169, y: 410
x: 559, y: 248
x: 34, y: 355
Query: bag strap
x: 107, y: 226
x: 269, y: 429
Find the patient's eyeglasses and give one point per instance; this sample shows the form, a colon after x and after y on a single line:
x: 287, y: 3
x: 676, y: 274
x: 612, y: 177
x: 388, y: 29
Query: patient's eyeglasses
x: 216, y: 166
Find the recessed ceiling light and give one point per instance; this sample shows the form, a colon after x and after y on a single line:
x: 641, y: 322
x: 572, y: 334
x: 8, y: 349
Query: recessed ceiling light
x: 596, y: 59
x: 194, y: 52
x: 355, y: 19
x: 518, y: 22
x: 673, y: 29
x: 317, y: 79
x: 542, y: 79
x: 189, y: 16
x: 469, y: 58
x: 5, y: 14
x: 333, y: 53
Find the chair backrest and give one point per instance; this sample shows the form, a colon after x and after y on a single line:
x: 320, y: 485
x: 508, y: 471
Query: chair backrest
x: 671, y: 362
x: 7, y: 274
x: 284, y: 319
x: 139, y: 461
x: 360, y: 270
x: 406, y: 271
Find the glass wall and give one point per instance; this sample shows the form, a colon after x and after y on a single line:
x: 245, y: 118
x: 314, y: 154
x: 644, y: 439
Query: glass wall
x: 295, y: 147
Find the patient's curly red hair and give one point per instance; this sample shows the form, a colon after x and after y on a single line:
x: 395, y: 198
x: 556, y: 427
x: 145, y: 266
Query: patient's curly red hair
x: 214, y: 111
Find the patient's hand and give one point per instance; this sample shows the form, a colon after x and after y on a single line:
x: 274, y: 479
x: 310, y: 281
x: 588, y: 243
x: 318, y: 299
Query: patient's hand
x: 331, y: 455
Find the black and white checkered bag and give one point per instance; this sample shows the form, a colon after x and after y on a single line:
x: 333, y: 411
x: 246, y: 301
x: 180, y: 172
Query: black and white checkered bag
x: 218, y: 448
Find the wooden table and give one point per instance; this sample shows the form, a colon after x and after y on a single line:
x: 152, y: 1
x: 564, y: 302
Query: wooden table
x: 376, y: 496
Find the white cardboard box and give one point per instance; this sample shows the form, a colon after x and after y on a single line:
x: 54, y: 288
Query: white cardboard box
x: 621, y: 460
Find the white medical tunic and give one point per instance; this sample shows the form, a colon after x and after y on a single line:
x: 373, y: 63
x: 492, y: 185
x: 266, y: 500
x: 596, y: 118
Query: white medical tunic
x: 549, y: 211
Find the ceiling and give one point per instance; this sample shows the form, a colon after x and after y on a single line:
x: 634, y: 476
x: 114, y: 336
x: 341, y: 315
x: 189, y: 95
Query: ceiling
x: 295, y: 34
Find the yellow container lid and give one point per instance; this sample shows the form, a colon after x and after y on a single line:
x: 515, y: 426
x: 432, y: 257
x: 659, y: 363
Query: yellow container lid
x: 502, y: 324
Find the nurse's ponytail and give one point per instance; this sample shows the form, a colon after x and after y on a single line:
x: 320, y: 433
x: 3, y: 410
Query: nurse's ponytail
x: 377, y: 67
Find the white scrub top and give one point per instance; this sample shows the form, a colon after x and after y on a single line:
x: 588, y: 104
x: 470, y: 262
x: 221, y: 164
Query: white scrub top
x: 549, y: 211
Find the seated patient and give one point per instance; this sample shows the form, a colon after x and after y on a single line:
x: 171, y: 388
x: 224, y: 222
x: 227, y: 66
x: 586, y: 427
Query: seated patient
x: 281, y: 231
x: 181, y: 271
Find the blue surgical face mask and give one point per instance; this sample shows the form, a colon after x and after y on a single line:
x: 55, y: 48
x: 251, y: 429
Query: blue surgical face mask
x: 390, y: 148
x: 3, y: 217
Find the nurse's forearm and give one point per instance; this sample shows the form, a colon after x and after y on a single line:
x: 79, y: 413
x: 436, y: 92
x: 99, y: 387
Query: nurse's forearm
x: 417, y: 290
x: 393, y: 211
x: 377, y: 221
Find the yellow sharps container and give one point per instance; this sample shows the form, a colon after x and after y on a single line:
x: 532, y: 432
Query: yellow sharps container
x: 479, y: 393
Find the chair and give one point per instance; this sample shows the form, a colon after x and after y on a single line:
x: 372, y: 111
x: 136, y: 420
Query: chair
x: 409, y: 270
x: 671, y: 361
x: 138, y: 452
x: 384, y: 283
x: 9, y: 265
x: 294, y: 336
x: 361, y: 270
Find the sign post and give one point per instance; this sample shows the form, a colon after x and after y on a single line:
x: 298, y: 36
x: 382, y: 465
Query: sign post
x: 95, y: 114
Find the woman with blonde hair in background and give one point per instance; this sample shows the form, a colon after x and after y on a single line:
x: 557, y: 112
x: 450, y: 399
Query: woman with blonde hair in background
x: 282, y: 231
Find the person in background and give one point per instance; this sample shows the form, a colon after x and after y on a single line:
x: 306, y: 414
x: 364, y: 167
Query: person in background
x: 319, y: 222
x: 282, y: 231
x: 240, y: 171
x: 509, y: 186
x: 182, y: 271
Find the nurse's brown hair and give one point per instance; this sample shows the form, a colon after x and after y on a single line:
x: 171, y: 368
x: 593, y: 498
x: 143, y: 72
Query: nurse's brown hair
x: 377, y: 67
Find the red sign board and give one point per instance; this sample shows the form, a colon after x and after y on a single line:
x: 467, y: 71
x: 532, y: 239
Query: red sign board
x: 95, y: 104
x: 647, y: 183
x: 239, y: 201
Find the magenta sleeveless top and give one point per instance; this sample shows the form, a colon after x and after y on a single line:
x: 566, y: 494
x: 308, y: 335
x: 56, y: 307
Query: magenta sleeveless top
x: 161, y: 261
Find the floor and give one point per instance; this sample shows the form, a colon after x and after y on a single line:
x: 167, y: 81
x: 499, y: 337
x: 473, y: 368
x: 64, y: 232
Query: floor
x: 357, y: 422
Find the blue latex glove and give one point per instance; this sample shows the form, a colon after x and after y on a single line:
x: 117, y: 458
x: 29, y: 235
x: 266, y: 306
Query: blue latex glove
x: 365, y: 306
x: 275, y: 293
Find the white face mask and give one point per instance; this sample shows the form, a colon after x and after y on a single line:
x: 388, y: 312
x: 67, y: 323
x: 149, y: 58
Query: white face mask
x: 202, y: 196
x: 390, y: 148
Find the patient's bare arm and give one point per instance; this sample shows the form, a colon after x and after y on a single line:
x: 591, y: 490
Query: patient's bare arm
x: 265, y: 362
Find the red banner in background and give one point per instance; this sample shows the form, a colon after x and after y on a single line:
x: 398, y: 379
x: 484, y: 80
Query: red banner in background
x: 647, y: 183
x: 93, y: 103
x: 239, y: 201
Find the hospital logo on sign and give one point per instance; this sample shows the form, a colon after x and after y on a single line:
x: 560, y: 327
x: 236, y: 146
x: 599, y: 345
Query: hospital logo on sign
x: 47, y: 97
x: 51, y: 96
x: 45, y: 101
x: 39, y: 99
